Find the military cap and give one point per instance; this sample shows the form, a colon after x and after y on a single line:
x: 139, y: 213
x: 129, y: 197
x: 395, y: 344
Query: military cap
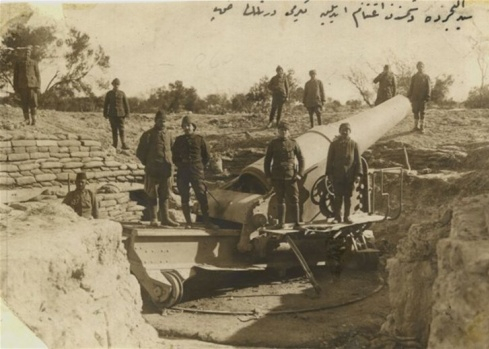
x: 419, y: 63
x: 188, y: 120
x: 116, y: 81
x: 160, y: 115
x: 283, y: 125
x: 279, y: 68
x: 81, y: 176
x: 345, y: 125
x: 312, y: 71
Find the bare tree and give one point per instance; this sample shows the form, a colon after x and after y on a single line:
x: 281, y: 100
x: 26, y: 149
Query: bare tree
x: 481, y: 48
x: 364, y: 85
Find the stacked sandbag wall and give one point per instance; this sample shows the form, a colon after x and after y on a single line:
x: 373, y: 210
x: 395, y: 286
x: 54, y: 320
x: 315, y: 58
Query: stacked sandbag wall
x: 50, y: 160
x: 119, y: 207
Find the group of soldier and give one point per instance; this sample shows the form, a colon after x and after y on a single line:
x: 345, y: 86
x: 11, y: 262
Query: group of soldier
x: 27, y: 82
x: 159, y: 152
x: 313, y: 99
x: 189, y: 152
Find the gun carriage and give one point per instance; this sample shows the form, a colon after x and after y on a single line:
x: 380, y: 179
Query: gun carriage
x: 163, y: 258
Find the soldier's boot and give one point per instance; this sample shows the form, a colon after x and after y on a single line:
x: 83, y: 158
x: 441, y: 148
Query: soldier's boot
x: 207, y: 222
x: 186, y: 214
x: 114, y: 139
x: 421, y: 126
x: 123, y: 140
x: 296, y: 213
x: 165, y: 217
x: 33, y: 117
x: 337, y: 209
x: 416, y: 125
x: 153, y: 213
x: 347, y: 211
x: 311, y: 118
x: 26, y: 117
x: 280, y: 217
x: 320, y: 122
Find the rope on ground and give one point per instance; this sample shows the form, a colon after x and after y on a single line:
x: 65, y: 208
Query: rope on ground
x: 253, y: 313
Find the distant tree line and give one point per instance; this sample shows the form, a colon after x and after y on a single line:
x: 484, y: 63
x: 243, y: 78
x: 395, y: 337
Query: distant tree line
x: 71, y: 86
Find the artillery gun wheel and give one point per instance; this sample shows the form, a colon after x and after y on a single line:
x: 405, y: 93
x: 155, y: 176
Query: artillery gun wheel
x: 176, y: 293
x: 322, y: 194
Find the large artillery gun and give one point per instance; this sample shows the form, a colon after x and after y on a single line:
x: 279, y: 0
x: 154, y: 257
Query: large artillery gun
x: 162, y: 259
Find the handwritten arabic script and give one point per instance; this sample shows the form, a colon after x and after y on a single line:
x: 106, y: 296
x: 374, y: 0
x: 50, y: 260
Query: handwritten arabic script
x: 443, y: 13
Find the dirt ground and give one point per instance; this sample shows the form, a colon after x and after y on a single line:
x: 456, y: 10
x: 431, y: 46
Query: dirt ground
x: 449, y: 161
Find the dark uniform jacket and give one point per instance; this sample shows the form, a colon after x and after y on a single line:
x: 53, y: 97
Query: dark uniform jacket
x: 83, y: 202
x: 313, y: 94
x: 154, y: 152
x: 281, y: 155
x: 387, y: 87
x: 343, y: 162
x: 279, y: 86
x: 420, y: 88
x: 26, y: 74
x: 116, y: 104
x: 190, y: 154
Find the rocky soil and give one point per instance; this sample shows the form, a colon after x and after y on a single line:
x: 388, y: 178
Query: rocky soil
x: 63, y: 273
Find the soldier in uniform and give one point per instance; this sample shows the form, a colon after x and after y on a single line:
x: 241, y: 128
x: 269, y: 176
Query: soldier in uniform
x: 82, y: 201
x: 281, y: 169
x: 343, y: 169
x: 154, y: 152
x: 116, y: 109
x: 279, y: 86
x: 314, y: 97
x: 190, y: 155
x: 387, y: 85
x: 27, y: 82
x: 419, y: 93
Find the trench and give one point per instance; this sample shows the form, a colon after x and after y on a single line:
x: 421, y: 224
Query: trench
x: 433, y: 260
x: 431, y: 190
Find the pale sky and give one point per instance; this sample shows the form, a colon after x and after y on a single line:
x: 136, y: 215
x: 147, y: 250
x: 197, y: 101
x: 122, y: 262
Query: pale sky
x: 153, y: 44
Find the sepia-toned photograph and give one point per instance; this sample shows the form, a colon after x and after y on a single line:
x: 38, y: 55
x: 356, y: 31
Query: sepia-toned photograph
x: 244, y: 174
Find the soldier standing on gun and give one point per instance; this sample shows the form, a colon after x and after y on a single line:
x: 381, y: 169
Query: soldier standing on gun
x: 343, y: 169
x: 280, y: 168
x: 116, y: 109
x: 154, y: 151
x: 314, y: 97
x: 419, y: 93
x: 190, y: 155
x: 27, y: 82
x: 83, y: 201
x: 279, y: 86
x: 387, y: 85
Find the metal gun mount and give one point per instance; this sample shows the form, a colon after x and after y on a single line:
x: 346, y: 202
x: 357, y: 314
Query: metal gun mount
x: 162, y: 259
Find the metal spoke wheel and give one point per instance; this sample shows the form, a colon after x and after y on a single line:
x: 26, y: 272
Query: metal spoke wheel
x: 322, y: 194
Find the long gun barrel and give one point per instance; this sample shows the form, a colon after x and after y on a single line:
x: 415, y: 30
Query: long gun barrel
x: 242, y: 198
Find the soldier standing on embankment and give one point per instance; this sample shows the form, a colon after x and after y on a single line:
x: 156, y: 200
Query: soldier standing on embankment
x: 279, y: 86
x: 116, y: 109
x: 27, y: 82
x: 314, y: 97
x: 387, y: 85
x: 419, y: 93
